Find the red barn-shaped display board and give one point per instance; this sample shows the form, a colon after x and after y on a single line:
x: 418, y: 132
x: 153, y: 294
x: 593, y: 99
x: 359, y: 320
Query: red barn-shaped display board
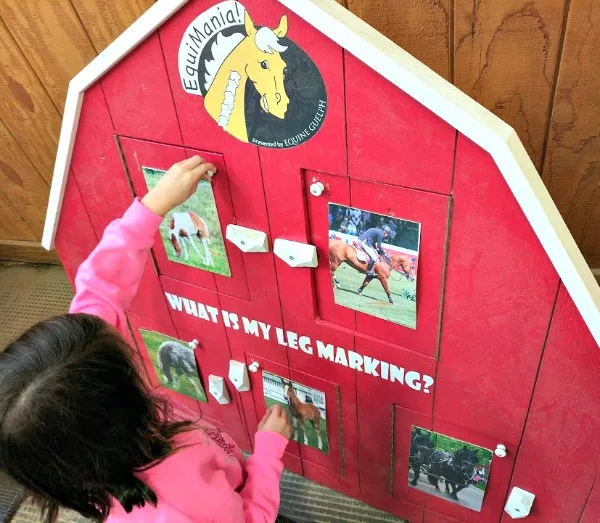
x: 376, y: 251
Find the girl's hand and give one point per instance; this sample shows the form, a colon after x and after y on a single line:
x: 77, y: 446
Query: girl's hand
x: 275, y: 420
x: 178, y: 184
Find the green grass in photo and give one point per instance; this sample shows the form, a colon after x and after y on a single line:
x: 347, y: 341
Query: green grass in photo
x: 203, y: 204
x: 181, y: 384
x: 374, y: 300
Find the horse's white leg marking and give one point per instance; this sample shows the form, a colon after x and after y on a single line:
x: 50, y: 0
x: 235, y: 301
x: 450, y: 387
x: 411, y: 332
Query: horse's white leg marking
x: 320, y: 441
x: 295, y: 424
x: 304, y: 428
x: 197, y: 250
x: 184, y: 247
x: 209, y: 258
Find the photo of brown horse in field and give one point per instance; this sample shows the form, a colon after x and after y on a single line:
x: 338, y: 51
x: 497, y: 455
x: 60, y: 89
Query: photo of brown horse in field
x: 301, y: 413
x: 340, y: 252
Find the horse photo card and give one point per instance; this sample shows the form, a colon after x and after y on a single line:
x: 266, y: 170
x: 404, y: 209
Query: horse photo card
x: 175, y: 364
x: 373, y: 260
x: 448, y: 468
x: 191, y: 233
x: 305, y: 408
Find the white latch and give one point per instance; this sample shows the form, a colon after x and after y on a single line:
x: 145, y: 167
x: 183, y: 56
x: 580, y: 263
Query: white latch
x: 254, y: 366
x: 193, y: 344
x: 238, y: 375
x: 317, y: 188
x: 218, y: 389
x: 247, y: 240
x: 500, y: 450
x: 296, y: 254
x: 519, y: 503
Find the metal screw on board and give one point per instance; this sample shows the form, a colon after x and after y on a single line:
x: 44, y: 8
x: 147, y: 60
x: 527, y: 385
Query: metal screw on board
x: 254, y: 366
x: 500, y: 451
x: 317, y: 188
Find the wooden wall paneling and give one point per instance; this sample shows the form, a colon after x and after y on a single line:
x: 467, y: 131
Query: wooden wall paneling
x: 105, y: 20
x: 499, y: 293
x: 53, y: 41
x: 26, y: 251
x: 12, y: 226
x: 21, y: 183
x: 570, y: 169
x: 421, y: 27
x: 505, y: 58
x: 25, y: 107
x: 559, y: 456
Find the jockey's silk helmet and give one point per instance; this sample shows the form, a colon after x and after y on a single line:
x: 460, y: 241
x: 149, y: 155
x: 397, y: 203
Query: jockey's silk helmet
x: 387, y: 229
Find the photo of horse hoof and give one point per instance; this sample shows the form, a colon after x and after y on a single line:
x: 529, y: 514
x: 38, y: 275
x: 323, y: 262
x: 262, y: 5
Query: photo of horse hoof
x: 174, y: 364
x: 305, y: 407
x: 461, y: 468
x: 377, y: 255
x: 191, y: 233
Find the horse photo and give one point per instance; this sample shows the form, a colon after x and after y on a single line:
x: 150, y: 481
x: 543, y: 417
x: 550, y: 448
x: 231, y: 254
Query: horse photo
x: 305, y: 408
x: 448, y: 468
x: 191, y: 232
x: 174, y: 364
x: 364, y: 247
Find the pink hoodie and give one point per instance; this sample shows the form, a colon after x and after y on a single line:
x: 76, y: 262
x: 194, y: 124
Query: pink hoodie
x: 208, y: 480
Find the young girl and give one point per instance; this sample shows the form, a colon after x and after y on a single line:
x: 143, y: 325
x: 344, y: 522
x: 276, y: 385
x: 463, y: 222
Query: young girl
x: 80, y: 429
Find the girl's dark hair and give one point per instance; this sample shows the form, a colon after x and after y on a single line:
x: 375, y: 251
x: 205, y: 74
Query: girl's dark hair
x: 76, y: 419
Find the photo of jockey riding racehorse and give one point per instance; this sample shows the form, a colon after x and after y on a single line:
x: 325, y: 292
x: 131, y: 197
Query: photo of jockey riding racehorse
x: 448, y: 468
x: 379, y: 248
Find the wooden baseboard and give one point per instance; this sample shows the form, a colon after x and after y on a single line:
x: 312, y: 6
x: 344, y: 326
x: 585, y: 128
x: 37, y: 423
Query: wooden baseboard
x: 30, y: 252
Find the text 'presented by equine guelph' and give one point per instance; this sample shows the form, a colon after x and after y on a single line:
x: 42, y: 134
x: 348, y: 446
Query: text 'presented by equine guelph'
x: 291, y: 340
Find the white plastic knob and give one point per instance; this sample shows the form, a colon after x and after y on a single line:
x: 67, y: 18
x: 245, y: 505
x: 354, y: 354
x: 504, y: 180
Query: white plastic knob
x: 193, y: 344
x: 500, y: 451
x: 317, y: 188
x: 254, y: 366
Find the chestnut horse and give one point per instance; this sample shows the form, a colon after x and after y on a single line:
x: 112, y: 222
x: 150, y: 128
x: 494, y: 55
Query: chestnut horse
x: 302, y: 412
x: 340, y: 252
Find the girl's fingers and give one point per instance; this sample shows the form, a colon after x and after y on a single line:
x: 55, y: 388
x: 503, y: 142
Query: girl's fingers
x: 191, y: 163
x: 203, y: 171
x: 266, y: 416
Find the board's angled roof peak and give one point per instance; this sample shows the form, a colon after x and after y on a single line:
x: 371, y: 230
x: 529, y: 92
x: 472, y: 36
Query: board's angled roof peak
x: 409, y: 74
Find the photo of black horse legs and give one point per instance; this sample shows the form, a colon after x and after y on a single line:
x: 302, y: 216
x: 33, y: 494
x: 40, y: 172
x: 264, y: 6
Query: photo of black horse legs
x: 448, y: 468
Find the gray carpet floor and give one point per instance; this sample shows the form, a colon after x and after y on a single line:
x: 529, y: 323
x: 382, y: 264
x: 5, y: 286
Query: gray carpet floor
x: 30, y: 293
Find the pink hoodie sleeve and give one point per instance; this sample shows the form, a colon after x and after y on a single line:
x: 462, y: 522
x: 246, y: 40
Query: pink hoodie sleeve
x: 108, y: 280
x: 258, y: 501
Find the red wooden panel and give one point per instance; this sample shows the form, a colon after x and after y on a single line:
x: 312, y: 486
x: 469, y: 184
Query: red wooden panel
x: 377, y: 396
x: 98, y: 169
x: 391, y: 137
x: 139, y: 95
x: 499, y: 293
x: 326, y: 55
x: 559, y: 457
x: 138, y: 323
x: 499, y: 478
x: 591, y: 513
x: 213, y: 357
x: 75, y: 237
x: 431, y: 211
x: 436, y: 517
x: 337, y: 190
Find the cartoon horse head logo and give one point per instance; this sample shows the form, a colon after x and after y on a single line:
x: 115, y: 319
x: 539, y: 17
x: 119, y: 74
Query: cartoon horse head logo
x: 255, y: 58
x: 240, y: 70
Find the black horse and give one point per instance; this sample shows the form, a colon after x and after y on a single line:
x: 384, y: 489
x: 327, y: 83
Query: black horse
x: 421, y: 449
x: 457, y: 469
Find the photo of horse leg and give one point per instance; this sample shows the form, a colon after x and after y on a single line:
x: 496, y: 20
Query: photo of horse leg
x: 365, y: 283
x: 316, y: 425
x: 208, y: 258
x: 183, y: 239
x: 197, y: 250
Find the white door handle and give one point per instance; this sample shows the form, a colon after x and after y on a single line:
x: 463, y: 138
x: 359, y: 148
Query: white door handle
x: 247, y: 240
x: 254, y: 366
x: 296, y: 254
x: 317, y: 188
x: 218, y: 389
x: 500, y: 451
x: 238, y: 375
